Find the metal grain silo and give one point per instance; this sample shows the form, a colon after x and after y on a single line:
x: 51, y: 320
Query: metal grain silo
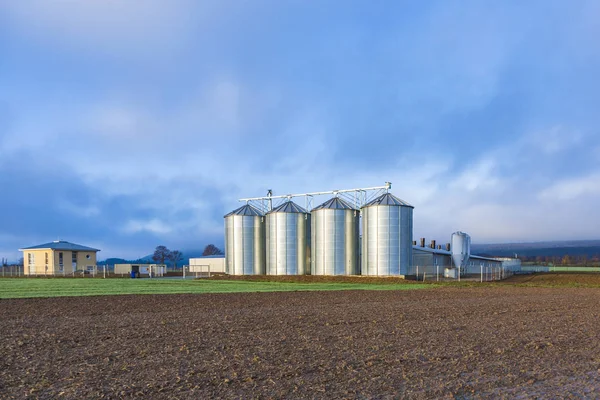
x: 245, y: 241
x: 461, y: 249
x: 334, y: 239
x: 288, y: 240
x: 386, y: 236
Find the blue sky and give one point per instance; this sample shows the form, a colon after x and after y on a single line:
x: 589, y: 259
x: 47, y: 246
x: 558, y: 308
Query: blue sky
x: 129, y: 124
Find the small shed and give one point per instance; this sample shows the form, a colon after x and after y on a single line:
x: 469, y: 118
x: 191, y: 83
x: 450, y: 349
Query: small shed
x: 208, y: 264
x: 141, y: 269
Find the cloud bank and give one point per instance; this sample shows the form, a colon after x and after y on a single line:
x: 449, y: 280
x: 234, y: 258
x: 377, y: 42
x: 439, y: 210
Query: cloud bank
x: 125, y: 126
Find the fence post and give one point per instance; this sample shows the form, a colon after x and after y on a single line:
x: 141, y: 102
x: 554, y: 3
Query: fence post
x: 417, y: 272
x: 437, y: 272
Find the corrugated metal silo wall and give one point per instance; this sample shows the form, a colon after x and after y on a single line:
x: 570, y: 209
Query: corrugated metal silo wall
x: 334, y: 242
x: 387, y: 240
x: 244, y: 245
x: 288, y: 243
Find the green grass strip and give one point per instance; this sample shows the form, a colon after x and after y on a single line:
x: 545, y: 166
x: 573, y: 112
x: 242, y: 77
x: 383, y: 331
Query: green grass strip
x: 12, y: 288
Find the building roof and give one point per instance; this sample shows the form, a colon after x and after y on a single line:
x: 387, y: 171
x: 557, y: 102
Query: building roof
x: 334, y: 204
x: 213, y: 256
x: 388, y: 199
x: 449, y: 253
x: 288, y: 207
x: 484, y: 258
x: 246, y: 210
x: 430, y: 250
x: 60, y: 245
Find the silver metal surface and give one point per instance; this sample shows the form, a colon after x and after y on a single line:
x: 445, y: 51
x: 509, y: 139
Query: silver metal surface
x: 387, y: 226
x: 245, y: 242
x: 334, y: 239
x: 288, y: 240
x: 461, y: 249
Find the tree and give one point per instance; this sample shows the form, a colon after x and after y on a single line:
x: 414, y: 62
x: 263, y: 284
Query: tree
x: 161, y: 254
x: 212, y: 250
x: 175, y: 256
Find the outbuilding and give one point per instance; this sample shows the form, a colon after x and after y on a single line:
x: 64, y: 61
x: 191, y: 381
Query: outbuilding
x: 140, y: 269
x: 208, y: 264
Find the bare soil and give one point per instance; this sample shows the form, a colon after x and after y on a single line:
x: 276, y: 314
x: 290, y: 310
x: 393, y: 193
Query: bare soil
x: 556, y: 279
x: 487, y: 342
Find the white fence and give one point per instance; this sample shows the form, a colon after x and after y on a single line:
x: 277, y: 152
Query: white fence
x: 11, y: 270
x: 483, y: 273
x: 18, y: 271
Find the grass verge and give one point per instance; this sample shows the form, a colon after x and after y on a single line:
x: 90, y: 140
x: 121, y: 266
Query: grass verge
x: 56, y: 287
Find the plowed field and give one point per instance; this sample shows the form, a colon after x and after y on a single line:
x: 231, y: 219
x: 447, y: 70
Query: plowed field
x: 488, y: 342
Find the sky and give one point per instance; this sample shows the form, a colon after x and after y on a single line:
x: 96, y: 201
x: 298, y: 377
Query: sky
x: 127, y: 124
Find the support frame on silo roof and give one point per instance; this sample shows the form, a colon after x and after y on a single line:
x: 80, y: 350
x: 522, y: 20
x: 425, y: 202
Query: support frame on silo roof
x: 358, y: 197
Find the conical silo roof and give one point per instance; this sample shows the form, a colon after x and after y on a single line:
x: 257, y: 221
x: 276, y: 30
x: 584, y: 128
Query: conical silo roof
x: 288, y: 207
x: 334, y: 204
x: 246, y: 210
x: 388, y: 199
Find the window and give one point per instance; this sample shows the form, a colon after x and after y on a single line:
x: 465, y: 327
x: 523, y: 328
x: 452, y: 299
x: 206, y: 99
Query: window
x: 74, y: 257
x: 88, y: 256
x: 60, y: 260
x: 46, y: 258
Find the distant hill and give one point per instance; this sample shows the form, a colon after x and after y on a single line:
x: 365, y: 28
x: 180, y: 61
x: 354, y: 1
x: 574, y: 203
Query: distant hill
x: 588, y: 248
x: 113, y: 261
x: 187, y: 254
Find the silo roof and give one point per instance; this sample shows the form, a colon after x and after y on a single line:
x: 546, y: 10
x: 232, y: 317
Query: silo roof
x: 334, y: 204
x: 288, y: 207
x: 388, y: 199
x: 246, y: 210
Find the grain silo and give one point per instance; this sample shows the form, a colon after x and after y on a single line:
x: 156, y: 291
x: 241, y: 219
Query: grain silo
x: 334, y: 239
x: 461, y: 249
x: 387, y: 226
x: 288, y: 240
x: 245, y: 241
